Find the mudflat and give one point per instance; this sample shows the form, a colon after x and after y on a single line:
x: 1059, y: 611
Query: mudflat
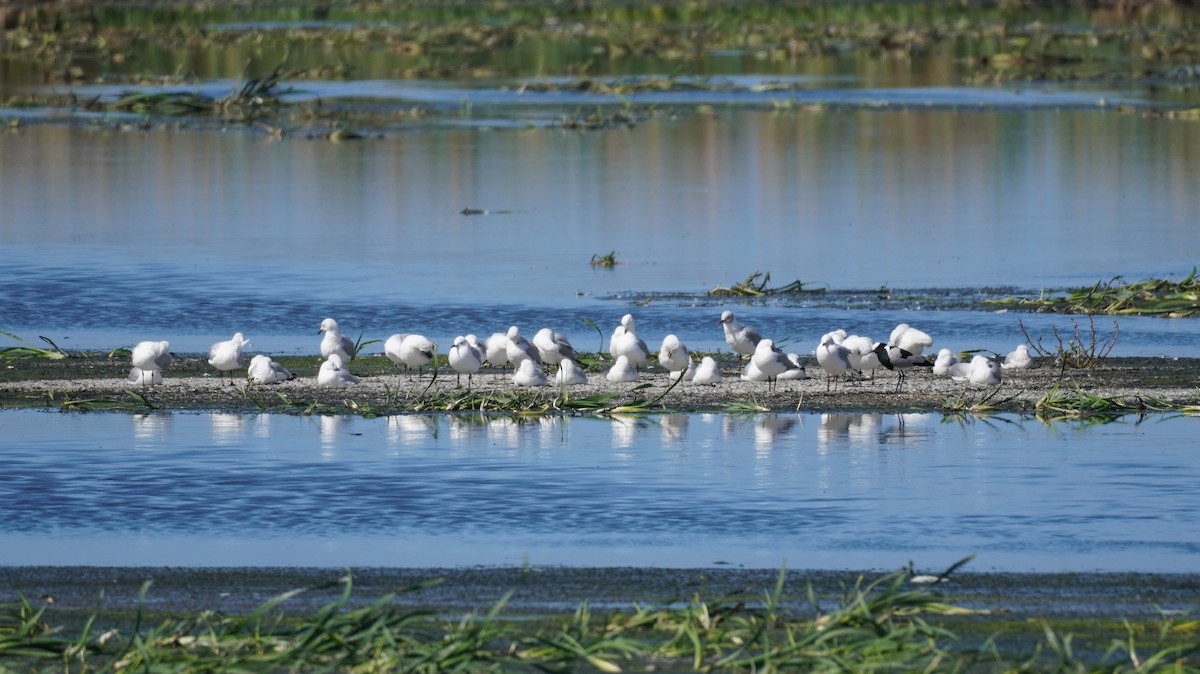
x: 1130, y: 384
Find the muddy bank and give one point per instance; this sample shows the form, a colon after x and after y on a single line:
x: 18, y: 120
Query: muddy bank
x: 550, y: 590
x: 1132, y: 384
x: 1008, y: 612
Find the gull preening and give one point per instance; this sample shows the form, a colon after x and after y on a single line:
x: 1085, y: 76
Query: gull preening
x: 333, y: 372
x: 410, y: 350
x: 520, y: 349
x: 553, y: 346
x: 673, y: 356
x: 863, y: 354
x: 743, y: 339
x: 904, y: 349
x: 144, y: 377
x: 334, y: 342
x: 496, y: 349
x: 625, y: 342
x: 910, y: 339
x: 464, y: 358
x: 263, y: 370
x: 228, y: 355
x: 149, y: 357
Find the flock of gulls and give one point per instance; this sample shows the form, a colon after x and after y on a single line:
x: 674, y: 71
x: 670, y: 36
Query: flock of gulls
x: 838, y: 353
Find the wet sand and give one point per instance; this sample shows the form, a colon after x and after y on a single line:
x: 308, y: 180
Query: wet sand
x: 189, y: 383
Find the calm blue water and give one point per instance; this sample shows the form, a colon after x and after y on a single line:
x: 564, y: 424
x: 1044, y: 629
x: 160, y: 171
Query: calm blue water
x: 805, y: 490
x: 114, y: 237
x: 189, y: 232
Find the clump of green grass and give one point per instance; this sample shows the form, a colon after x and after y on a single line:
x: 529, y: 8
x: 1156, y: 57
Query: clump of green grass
x: 1061, y: 405
x: 1155, y: 297
x: 28, y: 350
x: 885, y: 625
x: 609, y: 260
x: 755, y: 285
x: 256, y: 97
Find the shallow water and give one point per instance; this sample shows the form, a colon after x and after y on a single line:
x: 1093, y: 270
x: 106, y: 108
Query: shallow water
x: 678, y: 490
x: 188, y: 236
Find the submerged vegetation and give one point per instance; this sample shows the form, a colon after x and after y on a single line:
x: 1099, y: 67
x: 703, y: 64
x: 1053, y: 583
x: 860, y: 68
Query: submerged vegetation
x: 888, y: 624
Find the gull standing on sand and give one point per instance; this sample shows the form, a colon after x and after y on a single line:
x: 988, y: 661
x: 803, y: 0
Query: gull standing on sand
x: 771, y: 361
x: 707, y: 372
x: 622, y: 371
x: 673, y: 356
x: 529, y: 373
x: 410, y: 349
x: 495, y: 350
x: 263, y: 370
x: 333, y: 341
x: 1019, y: 359
x: 333, y: 372
x: 465, y: 359
x: 833, y: 358
x: 138, y: 376
x: 625, y: 342
x: 228, y: 355
x: 520, y: 349
x: 863, y: 356
x: 741, y: 338
x: 569, y: 374
x: 149, y: 357
x: 553, y: 346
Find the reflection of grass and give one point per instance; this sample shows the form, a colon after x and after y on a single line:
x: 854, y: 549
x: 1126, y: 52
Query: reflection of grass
x: 458, y: 39
x: 1156, y: 297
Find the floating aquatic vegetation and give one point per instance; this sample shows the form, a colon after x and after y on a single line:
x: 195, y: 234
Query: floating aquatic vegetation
x: 256, y: 97
x: 1060, y: 405
x: 609, y: 260
x: 756, y: 285
x: 1154, y: 297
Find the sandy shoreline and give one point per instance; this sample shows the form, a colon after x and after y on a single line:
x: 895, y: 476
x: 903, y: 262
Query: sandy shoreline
x: 189, y: 384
